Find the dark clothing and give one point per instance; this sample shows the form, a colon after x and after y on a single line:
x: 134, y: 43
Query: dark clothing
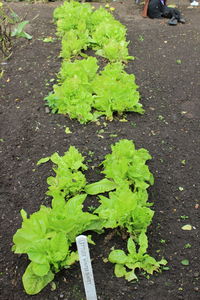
x: 170, y: 12
x: 155, y: 9
x: 159, y: 9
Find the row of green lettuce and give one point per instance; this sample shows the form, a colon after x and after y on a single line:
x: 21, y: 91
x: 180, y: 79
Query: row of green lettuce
x: 81, y: 27
x: 48, y: 235
x: 82, y: 92
x: 85, y: 93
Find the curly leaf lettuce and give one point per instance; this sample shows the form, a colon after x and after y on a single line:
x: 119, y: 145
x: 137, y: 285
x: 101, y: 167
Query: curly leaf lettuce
x: 47, y: 235
x: 71, y: 15
x: 123, y: 209
x: 126, y: 164
x: 84, y: 94
x: 81, y: 28
x: 115, y: 51
x: 69, y: 180
x: 126, y: 264
x: 115, y: 91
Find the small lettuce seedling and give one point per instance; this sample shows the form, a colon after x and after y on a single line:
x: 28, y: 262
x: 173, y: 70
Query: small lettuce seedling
x: 69, y: 179
x: 126, y: 264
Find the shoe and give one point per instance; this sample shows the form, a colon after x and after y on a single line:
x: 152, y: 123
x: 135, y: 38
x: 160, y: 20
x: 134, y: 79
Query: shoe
x: 181, y: 20
x: 194, y: 3
x: 173, y: 21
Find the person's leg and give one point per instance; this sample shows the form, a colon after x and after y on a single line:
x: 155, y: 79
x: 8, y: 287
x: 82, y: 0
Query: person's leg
x: 178, y: 16
x: 174, y: 15
x: 168, y: 12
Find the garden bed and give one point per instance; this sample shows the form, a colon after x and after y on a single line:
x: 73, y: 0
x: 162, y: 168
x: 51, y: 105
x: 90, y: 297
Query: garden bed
x: 167, y: 72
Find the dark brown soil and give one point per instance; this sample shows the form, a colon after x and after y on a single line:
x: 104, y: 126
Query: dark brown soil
x: 169, y: 130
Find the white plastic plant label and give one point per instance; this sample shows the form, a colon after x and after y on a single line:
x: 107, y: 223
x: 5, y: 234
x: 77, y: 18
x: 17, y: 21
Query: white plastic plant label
x: 86, y: 267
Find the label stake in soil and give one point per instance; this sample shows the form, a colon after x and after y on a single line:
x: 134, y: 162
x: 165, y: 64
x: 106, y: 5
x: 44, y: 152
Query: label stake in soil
x: 86, y: 267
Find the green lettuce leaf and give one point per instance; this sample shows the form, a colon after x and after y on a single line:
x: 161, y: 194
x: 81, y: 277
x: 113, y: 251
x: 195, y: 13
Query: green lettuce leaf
x: 135, y: 259
x: 33, y: 284
x: 115, y: 91
x: 100, y: 187
x: 117, y: 209
x: 118, y: 256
